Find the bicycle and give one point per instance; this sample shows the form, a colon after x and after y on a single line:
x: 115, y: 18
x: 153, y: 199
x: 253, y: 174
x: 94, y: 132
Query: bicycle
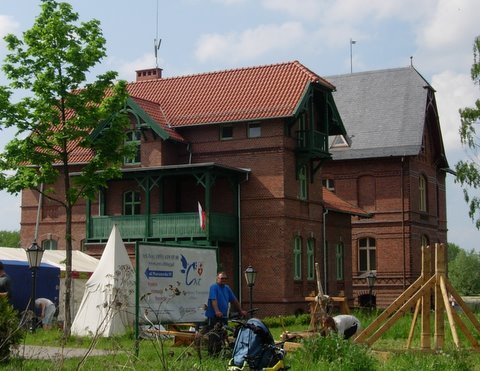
x: 220, y: 337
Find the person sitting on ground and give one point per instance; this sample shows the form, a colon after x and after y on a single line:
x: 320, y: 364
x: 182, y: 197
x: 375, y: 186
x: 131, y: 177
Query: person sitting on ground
x: 47, y: 308
x: 344, y: 325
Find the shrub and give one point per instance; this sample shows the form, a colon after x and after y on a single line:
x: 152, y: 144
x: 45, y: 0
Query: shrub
x: 11, y: 333
x: 333, y: 353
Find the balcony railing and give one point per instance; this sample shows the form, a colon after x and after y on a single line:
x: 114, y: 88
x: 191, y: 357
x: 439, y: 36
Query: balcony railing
x: 313, y: 141
x: 220, y: 227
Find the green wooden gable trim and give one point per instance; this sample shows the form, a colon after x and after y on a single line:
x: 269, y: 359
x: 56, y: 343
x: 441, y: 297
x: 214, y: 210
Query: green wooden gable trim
x: 335, y: 126
x: 335, y: 123
x: 143, y: 121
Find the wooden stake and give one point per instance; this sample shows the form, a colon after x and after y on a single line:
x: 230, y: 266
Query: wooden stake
x: 414, y: 322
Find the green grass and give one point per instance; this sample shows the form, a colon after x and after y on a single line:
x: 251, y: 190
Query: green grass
x: 387, y: 353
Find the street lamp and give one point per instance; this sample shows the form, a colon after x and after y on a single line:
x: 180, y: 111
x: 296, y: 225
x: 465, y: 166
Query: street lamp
x: 371, y: 278
x: 250, y: 276
x: 34, y: 256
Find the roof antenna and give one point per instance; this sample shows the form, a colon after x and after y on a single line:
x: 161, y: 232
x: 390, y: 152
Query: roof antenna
x: 411, y: 61
x: 156, y: 43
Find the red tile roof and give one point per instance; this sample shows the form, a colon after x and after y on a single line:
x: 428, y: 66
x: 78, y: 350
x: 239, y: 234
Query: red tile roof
x: 332, y: 202
x: 242, y: 94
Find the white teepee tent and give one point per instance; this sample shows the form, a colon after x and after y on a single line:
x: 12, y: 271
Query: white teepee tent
x: 107, y: 305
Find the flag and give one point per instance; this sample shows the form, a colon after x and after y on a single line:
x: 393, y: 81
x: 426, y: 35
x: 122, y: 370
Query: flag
x: 201, y: 216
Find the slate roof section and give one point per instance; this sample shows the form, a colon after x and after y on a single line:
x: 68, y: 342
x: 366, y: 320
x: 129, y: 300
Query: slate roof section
x: 332, y: 202
x: 383, y: 112
x: 244, y: 94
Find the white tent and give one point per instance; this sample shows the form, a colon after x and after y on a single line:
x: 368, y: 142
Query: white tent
x: 83, y: 266
x: 107, y: 305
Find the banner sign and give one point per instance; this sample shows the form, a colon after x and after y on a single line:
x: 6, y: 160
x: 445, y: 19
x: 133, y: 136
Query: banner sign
x: 173, y: 282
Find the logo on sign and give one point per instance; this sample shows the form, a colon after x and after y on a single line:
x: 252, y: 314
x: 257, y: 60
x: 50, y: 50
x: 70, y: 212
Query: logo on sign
x: 192, y: 270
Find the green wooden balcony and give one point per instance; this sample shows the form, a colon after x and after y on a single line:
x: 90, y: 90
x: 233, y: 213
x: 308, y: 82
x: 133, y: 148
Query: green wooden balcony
x: 312, y: 141
x: 173, y: 226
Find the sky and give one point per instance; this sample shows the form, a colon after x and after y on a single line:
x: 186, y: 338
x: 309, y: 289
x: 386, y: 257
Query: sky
x: 197, y: 36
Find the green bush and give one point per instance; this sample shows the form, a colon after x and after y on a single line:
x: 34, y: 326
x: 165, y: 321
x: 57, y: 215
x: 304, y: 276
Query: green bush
x: 332, y: 353
x: 10, y: 332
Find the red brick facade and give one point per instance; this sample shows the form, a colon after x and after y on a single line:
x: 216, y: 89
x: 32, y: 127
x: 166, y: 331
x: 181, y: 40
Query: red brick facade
x: 378, y: 186
x: 272, y: 214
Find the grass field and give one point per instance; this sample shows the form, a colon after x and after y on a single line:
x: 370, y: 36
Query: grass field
x: 320, y: 353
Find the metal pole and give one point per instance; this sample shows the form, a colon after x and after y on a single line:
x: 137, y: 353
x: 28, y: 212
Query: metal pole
x: 251, y: 299
x: 351, y: 63
x: 33, y: 323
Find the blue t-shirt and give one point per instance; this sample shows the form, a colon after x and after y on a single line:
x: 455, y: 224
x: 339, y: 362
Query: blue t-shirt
x: 223, y: 295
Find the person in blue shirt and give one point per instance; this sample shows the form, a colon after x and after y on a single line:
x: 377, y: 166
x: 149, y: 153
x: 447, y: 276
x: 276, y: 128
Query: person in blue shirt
x: 219, y: 298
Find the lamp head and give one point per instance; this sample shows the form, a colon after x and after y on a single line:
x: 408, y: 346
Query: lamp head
x: 371, y: 278
x: 34, y: 254
x: 250, y: 276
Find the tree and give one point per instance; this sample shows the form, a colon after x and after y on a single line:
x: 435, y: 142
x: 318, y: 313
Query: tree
x: 61, y: 115
x: 468, y: 171
x: 452, y: 251
x: 9, y: 239
x: 464, y: 272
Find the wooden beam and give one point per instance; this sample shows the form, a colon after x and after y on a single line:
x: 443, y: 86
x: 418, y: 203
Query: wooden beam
x: 426, y: 301
x: 414, y: 322
x: 449, y: 312
x: 440, y: 268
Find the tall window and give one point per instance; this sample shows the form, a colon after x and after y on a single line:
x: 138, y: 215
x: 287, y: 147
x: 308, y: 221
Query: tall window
x: 310, y: 259
x: 422, y: 190
x: 302, y: 183
x: 133, y: 138
x: 366, y: 254
x: 297, y: 258
x: 131, y: 203
x: 339, y: 261
x: 49, y: 244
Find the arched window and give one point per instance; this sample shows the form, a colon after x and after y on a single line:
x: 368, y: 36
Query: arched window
x: 49, y: 244
x: 297, y: 258
x: 311, y: 259
x: 339, y: 261
x: 367, y: 254
x: 131, y: 203
x: 422, y: 193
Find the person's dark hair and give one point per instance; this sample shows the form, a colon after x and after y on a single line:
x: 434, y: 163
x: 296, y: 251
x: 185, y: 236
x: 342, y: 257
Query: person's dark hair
x: 1, y: 266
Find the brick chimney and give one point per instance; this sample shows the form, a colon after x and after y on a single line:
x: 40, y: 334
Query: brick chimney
x: 149, y: 74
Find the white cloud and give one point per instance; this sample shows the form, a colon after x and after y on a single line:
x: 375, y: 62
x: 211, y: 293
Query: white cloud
x: 307, y: 9
x: 7, y: 25
x: 251, y: 43
x: 126, y: 70
x: 453, y: 91
x: 451, y: 24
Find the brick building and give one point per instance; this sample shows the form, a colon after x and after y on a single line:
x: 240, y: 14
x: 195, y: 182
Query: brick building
x: 393, y: 165
x: 249, y: 145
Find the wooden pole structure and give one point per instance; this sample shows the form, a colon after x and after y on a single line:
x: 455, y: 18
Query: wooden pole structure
x: 319, y: 310
x: 419, y: 294
x: 426, y: 301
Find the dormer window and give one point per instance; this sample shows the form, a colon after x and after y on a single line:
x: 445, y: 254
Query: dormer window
x: 133, y: 138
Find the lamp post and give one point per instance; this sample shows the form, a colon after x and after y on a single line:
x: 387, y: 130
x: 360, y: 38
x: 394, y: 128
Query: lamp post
x: 250, y: 276
x: 34, y: 256
x: 371, y: 282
